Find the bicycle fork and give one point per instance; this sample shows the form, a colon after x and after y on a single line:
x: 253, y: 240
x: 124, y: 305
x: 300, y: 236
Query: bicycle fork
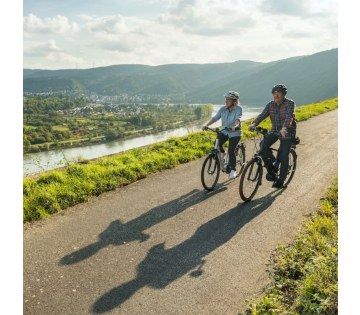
x: 254, y: 174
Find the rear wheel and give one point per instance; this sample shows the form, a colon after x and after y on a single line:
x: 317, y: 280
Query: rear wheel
x: 250, y: 179
x: 291, y: 168
x: 240, y: 158
x: 210, y: 172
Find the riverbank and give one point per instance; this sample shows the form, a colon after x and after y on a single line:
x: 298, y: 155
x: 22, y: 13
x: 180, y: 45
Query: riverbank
x: 81, y: 160
x: 56, y: 146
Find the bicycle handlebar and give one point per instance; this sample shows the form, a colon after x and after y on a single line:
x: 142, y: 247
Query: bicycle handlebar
x: 264, y: 131
x: 217, y: 130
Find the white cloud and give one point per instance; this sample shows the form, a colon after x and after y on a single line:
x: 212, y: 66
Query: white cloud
x: 37, y: 49
x: 183, y: 31
x: 36, y: 65
x: 208, y: 18
x: 86, y: 17
x: 291, y: 7
x: 63, y: 57
x: 298, y: 34
x: 117, y: 33
x: 58, y: 25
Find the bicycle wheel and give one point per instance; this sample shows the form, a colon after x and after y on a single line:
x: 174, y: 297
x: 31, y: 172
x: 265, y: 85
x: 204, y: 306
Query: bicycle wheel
x: 250, y: 179
x: 240, y: 157
x: 291, y: 168
x: 210, y: 172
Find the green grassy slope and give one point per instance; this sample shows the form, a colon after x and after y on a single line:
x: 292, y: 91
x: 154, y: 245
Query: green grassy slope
x: 305, y: 273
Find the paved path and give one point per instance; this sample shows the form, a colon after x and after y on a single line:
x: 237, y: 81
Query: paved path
x: 164, y: 245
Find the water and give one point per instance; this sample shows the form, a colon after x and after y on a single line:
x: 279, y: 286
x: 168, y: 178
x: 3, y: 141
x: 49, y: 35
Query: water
x: 50, y: 159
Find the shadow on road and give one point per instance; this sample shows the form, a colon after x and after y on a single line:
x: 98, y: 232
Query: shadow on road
x: 163, y: 266
x: 117, y: 233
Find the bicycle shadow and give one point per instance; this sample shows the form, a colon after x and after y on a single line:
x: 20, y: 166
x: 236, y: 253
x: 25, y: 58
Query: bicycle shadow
x: 117, y: 233
x: 163, y: 266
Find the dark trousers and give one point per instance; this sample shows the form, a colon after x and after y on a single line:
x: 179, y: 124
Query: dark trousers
x: 285, y: 146
x: 233, y: 141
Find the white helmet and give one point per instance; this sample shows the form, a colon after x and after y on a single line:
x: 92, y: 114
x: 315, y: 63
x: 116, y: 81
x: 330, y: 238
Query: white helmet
x: 232, y: 94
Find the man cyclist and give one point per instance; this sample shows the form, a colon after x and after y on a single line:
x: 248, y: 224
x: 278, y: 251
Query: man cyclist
x: 282, y: 115
x: 230, y: 115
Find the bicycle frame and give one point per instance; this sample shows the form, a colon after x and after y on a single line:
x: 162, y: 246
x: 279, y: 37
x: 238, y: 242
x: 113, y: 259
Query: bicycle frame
x: 258, y: 154
x: 216, y: 151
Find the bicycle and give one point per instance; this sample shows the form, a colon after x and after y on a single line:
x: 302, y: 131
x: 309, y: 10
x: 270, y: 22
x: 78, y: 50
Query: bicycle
x: 214, y: 163
x: 251, y: 177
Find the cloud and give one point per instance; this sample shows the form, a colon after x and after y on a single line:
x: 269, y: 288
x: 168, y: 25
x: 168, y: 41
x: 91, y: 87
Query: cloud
x: 117, y: 46
x: 290, y: 7
x: 58, y: 25
x: 37, y: 65
x: 63, y: 57
x: 117, y: 33
x: 86, y: 17
x: 40, y: 49
x: 108, y: 25
x: 207, y: 18
x: 297, y: 34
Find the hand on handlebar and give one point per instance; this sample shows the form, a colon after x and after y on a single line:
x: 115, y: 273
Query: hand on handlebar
x: 251, y: 127
x: 236, y: 127
x: 204, y: 128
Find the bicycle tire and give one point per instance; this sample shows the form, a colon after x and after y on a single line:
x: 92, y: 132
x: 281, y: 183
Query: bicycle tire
x: 250, y: 179
x: 291, y: 168
x: 240, y: 157
x: 211, y: 164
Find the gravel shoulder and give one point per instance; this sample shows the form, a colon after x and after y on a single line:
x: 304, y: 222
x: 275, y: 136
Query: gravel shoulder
x: 164, y: 245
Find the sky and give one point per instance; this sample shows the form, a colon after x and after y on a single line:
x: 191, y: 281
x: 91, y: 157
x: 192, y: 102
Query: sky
x: 84, y: 34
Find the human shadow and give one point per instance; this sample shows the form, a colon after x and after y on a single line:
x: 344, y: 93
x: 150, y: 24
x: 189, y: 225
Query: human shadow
x: 119, y: 233
x: 163, y: 266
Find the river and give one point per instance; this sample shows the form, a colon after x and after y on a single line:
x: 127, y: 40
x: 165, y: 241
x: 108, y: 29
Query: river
x: 50, y: 159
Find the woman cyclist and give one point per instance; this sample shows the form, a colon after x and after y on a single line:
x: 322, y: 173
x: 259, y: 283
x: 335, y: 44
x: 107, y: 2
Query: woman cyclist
x: 230, y: 115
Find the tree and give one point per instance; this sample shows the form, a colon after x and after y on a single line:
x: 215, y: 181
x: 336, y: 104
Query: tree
x: 26, y: 145
x: 198, y: 112
x: 111, y: 134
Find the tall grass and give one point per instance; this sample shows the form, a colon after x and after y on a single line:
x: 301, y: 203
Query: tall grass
x: 306, y: 272
x: 58, y: 190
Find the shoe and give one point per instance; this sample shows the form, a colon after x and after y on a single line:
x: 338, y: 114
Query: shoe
x: 270, y: 177
x: 232, y: 174
x: 278, y: 184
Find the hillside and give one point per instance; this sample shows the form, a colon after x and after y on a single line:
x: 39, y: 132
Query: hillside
x: 309, y: 78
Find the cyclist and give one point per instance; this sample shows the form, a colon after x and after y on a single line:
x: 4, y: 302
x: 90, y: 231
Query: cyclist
x: 282, y: 115
x: 230, y: 115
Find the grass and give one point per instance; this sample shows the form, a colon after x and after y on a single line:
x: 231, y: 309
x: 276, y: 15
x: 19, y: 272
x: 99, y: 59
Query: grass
x: 31, y: 127
x: 58, y: 190
x: 305, y: 272
x: 60, y: 127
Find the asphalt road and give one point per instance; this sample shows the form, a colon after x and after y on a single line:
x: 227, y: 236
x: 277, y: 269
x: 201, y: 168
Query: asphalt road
x: 164, y: 245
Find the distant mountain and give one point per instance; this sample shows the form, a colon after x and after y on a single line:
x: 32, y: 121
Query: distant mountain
x: 308, y: 79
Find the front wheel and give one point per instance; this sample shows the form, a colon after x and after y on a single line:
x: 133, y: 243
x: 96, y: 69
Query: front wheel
x: 250, y: 179
x: 210, y: 172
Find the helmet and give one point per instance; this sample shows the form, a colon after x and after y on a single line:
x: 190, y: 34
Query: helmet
x: 279, y: 88
x: 232, y: 94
